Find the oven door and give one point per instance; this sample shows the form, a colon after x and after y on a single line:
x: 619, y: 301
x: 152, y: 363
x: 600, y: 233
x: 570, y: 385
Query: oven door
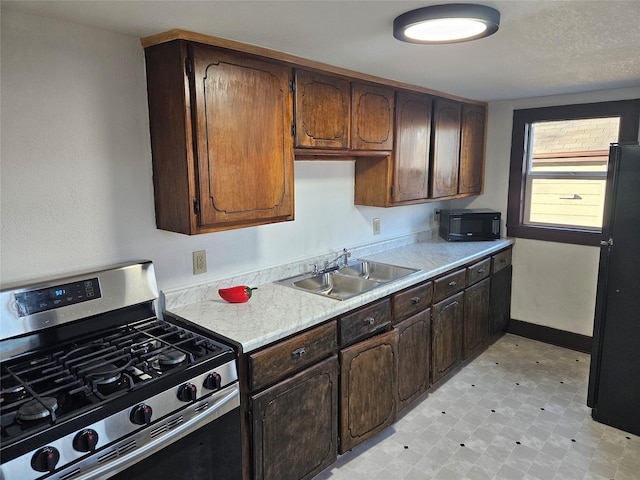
x: 204, y: 447
x: 212, y: 452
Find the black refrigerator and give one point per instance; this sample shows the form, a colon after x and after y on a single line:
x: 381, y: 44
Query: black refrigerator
x: 614, y: 378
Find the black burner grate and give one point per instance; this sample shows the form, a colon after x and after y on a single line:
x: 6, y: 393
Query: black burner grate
x: 44, y: 386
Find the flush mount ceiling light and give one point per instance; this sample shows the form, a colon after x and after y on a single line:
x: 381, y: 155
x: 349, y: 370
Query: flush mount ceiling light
x: 456, y: 22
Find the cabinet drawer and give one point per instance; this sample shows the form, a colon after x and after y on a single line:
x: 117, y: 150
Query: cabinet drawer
x: 411, y: 301
x: 478, y: 271
x: 292, y: 355
x: 362, y: 323
x: 448, y: 285
x: 501, y: 260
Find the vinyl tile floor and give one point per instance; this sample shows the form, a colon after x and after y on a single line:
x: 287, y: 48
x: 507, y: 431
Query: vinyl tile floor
x: 516, y: 412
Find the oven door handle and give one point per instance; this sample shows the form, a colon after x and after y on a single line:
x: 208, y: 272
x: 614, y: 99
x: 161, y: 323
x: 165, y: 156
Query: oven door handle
x: 224, y: 401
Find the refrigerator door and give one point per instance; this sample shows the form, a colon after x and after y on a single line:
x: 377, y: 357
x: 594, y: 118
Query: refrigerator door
x: 614, y: 383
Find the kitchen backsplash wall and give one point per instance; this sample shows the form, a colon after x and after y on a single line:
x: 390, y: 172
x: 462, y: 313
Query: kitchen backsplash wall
x: 76, y: 172
x: 184, y: 296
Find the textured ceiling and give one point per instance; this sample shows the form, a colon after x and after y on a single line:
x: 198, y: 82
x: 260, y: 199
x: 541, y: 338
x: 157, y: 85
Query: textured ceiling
x: 541, y: 48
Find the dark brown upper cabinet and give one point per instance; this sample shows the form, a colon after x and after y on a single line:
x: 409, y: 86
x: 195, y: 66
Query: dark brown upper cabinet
x: 220, y: 137
x: 372, y: 117
x: 322, y: 111
x: 402, y: 177
x: 222, y: 114
x: 412, y: 145
x: 445, y: 154
x: 472, y: 149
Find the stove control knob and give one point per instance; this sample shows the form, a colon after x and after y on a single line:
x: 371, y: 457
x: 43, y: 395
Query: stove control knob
x: 213, y: 381
x: 187, y: 392
x: 86, y: 440
x: 141, y: 414
x: 45, y: 459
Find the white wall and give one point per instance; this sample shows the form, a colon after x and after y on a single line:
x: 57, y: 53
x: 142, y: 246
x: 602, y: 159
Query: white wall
x: 553, y: 284
x: 76, y: 175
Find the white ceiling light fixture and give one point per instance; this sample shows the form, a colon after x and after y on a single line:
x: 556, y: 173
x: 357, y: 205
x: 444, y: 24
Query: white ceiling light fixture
x: 452, y: 23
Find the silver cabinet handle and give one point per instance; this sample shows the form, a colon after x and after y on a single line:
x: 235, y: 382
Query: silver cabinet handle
x: 452, y: 283
x: 481, y: 270
x: 369, y: 321
x: 415, y: 300
x: 452, y: 304
x: 298, y: 352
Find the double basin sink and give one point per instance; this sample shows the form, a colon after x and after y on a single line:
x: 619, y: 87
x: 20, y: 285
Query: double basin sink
x: 348, y: 281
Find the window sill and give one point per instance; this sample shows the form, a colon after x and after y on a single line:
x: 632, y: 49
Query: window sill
x: 555, y: 234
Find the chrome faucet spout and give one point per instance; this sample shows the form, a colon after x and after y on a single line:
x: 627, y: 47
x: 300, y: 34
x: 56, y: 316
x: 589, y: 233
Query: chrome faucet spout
x: 344, y: 256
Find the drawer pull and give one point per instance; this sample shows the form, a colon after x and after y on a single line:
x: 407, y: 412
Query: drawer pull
x: 369, y: 321
x: 452, y: 304
x: 298, y: 352
x: 452, y: 283
x: 481, y: 270
x: 415, y: 300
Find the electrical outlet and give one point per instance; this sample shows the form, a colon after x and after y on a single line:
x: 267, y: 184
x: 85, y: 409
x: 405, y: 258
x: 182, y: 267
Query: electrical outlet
x: 199, y: 262
x: 376, y: 226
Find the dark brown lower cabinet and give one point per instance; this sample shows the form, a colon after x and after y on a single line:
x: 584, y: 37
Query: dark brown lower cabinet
x: 295, y: 426
x: 414, y: 357
x: 367, y: 388
x: 500, y: 310
x: 447, y: 321
x: 476, y: 317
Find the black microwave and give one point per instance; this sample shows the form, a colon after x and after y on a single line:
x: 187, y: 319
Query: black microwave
x: 469, y: 225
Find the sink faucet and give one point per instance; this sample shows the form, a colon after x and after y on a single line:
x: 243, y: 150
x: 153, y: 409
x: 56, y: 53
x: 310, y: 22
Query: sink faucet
x: 344, y: 256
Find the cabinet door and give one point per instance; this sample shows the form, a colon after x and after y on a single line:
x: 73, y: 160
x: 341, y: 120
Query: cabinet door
x: 500, y: 300
x: 476, y: 316
x: 447, y: 335
x: 412, y: 142
x: 243, y: 113
x: 367, y: 388
x: 295, y: 425
x: 414, y: 357
x: 323, y: 111
x: 446, y: 148
x: 372, y: 117
x: 472, y: 149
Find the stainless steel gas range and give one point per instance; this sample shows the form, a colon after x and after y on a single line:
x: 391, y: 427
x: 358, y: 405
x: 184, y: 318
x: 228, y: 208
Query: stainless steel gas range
x: 94, y: 384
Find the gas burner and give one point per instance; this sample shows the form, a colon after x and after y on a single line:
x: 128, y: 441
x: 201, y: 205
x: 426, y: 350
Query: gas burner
x: 13, y: 394
x: 36, y: 409
x: 144, y: 347
x: 171, y: 358
x: 107, y: 378
x: 104, y: 374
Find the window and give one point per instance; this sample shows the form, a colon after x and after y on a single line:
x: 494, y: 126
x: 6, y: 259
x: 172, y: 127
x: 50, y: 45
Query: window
x: 559, y: 165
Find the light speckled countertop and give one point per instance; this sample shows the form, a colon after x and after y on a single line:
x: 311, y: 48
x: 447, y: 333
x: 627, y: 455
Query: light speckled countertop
x: 276, y: 311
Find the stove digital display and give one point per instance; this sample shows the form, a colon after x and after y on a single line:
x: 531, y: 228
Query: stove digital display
x: 36, y: 301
